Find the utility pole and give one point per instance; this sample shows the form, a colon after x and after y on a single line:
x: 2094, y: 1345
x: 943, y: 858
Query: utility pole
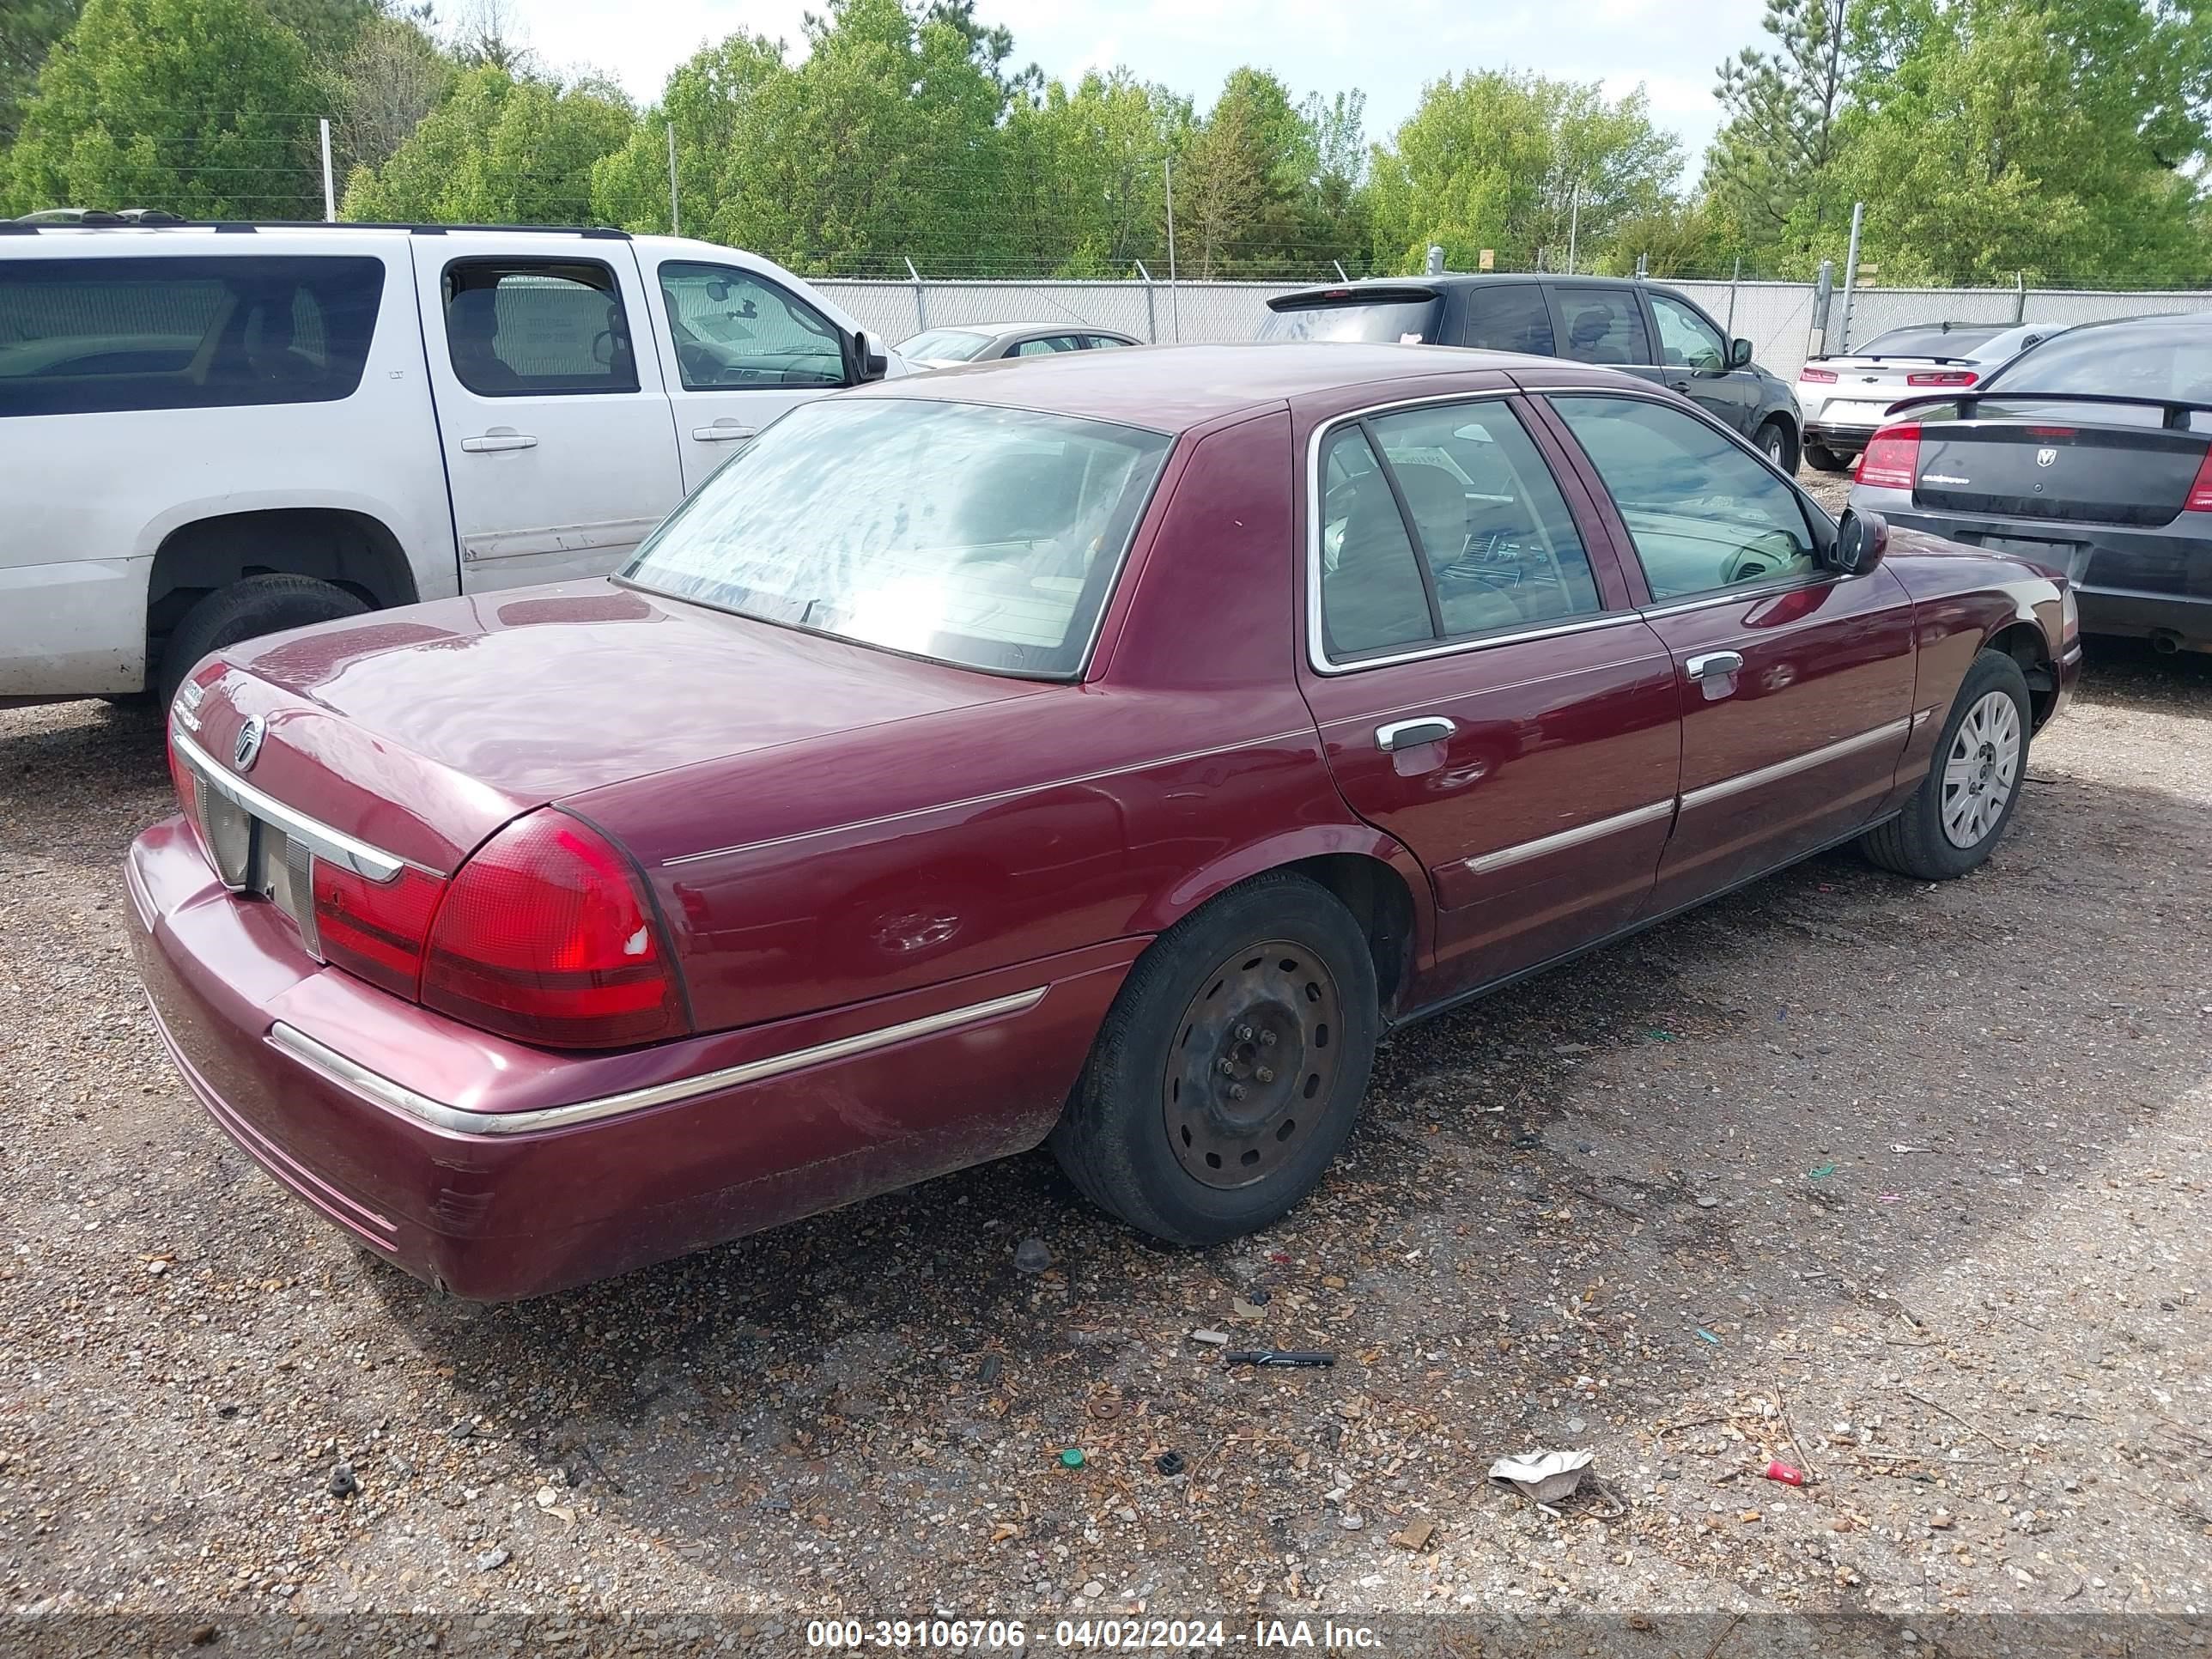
x: 1851, y: 277
x: 1174, y: 293
x: 1574, y: 222
x: 675, y: 224
x: 329, y: 190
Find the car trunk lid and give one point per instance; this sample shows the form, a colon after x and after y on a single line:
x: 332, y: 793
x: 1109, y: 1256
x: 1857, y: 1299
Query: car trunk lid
x: 1397, y: 314
x: 2061, y: 467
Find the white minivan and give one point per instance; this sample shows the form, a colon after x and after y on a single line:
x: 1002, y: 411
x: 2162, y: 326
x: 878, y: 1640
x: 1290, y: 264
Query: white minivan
x: 208, y: 432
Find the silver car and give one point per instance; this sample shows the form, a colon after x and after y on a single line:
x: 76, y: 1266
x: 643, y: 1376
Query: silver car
x: 1841, y: 400
x: 977, y: 343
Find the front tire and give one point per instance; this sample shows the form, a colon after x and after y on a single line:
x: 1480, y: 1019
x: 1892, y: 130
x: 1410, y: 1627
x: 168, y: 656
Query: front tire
x: 244, y: 611
x: 1957, y: 815
x: 1230, y: 1068
x: 1778, y: 445
x: 1821, y: 458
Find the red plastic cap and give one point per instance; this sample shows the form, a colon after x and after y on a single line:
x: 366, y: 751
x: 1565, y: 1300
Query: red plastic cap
x: 545, y: 936
x: 1890, y: 460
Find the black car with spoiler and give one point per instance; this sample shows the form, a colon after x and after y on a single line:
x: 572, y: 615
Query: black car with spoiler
x: 2091, y: 453
x: 1642, y: 327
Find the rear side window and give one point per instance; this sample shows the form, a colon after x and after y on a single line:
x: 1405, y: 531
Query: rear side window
x: 1102, y: 342
x: 2156, y: 360
x: 1514, y: 318
x: 1604, y: 325
x: 525, y: 328
x: 1394, y: 320
x: 734, y: 329
x: 1047, y: 346
x: 81, y: 336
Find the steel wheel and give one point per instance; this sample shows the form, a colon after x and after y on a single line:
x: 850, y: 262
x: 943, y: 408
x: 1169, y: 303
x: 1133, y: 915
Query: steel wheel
x: 1252, y: 1063
x: 1982, y: 770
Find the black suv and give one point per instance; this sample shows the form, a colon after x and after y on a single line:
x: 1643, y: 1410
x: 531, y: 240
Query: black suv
x: 1639, y: 327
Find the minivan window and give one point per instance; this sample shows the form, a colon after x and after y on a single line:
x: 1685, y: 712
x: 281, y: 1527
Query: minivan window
x: 81, y: 337
x: 1513, y: 316
x: 988, y: 537
x: 1404, y: 321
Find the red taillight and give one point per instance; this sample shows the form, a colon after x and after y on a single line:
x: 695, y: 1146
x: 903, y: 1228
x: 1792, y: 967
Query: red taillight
x: 1818, y: 376
x: 1951, y: 377
x: 2200, y: 487
x: 376, y: 929
x: 1890, y: 460
x: 545, y: 936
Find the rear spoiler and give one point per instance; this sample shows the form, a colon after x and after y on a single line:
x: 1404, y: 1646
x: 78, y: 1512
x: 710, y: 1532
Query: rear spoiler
x: 1381, y: 294
x: 2176, y: 410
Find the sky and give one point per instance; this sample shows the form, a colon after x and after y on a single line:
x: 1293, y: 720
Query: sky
x: 1672, y: 47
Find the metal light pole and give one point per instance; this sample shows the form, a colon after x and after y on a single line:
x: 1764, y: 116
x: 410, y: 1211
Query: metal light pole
x: 1851, y: 277
x: 1574, y: 222
x: 1174, y: 293
x: 329, y: 190
x: 675, y: 223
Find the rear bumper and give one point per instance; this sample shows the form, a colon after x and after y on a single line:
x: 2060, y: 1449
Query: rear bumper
x: 2132, y: 583
x: 400, y: 1127
x: 1837, y: 437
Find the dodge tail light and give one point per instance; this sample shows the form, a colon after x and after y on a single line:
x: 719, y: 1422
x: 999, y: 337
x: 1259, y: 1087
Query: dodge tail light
x: 2200, y: 487
x: 1890, y: 460
x: 1944, y: 377
x: 546, y: 935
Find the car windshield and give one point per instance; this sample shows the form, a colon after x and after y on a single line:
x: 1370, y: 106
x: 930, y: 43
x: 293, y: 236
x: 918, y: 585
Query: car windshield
x: 1401, y: 320
x: 2155, y: 360
x: 940, y: 345
x: 987, y: 538
x: 1921, y: 340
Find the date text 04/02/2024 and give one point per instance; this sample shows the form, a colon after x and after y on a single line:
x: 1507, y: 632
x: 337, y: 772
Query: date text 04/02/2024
x: 1097, y: 1635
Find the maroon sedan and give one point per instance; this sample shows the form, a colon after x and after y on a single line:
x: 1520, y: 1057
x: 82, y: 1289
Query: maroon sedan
x: 1106, y: 749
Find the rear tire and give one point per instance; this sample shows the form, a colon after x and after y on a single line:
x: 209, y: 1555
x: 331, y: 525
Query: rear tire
x: 1821, y: 458
x: 1958, y: 814
x: 244, y: 611
x: 1230, y: 1068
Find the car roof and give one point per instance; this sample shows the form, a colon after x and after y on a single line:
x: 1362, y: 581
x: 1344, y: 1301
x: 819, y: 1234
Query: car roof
x: 1469, y: 279
x: 1176, y: 388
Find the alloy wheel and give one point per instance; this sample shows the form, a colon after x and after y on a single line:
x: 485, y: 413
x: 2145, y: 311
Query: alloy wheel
x: 1982, y: 770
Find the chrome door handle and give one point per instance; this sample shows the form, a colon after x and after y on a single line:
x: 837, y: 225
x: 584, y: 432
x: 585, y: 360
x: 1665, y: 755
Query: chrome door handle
x: 719, y: 434
x: 500, y: 437
x: 1407, y: 734
x: 1714, y: 665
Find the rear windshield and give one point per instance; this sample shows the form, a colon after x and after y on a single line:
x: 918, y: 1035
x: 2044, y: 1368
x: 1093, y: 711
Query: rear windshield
x: 1404, y: 321
x: 1922, y: 341
x: 944, y: 344
x: 2131, y: 361
x: 86, y: 336
x: 987, y: 538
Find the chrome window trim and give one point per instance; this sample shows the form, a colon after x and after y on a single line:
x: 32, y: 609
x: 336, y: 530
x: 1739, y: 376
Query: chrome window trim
x: 1317, y: 655
x: 381, y: 1089
x: 1581, y: 834
x: 372, y: 863
x: 1888, y: 730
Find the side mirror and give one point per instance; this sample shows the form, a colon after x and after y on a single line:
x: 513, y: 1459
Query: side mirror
x: 1861, y: 541
x: 865, y: 361
x: 1739, y: 354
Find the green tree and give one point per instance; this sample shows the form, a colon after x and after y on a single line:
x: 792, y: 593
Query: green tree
x: 708, y: 99
x: 1773, y: 165
x: 202, y: 106
x: 27, y: 29
x: 2014, y: 136
x: 1507, y: 161
x: 1081, y: 178
x: 498, y: 150
x: 380, y: 91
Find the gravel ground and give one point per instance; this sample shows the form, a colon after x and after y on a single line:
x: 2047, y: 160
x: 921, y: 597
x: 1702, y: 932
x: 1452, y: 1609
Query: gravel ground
x: 1897, y: 1183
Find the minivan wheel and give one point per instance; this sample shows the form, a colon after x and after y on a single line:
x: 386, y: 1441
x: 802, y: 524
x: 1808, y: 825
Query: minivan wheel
x: 244, y: 611
x: 1230, y: 1068
x: 1956, y: 816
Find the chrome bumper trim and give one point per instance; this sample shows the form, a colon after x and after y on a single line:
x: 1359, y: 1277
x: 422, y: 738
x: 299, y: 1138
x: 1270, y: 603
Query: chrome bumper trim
x: 1891, y: 732
x: 1574, y: 837
x: 397, y: 1096
x: 370, y: 862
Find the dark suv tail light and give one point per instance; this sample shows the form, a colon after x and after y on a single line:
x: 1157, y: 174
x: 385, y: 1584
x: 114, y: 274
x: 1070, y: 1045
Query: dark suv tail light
x: 545, y: 935
x: 1890, y: 460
